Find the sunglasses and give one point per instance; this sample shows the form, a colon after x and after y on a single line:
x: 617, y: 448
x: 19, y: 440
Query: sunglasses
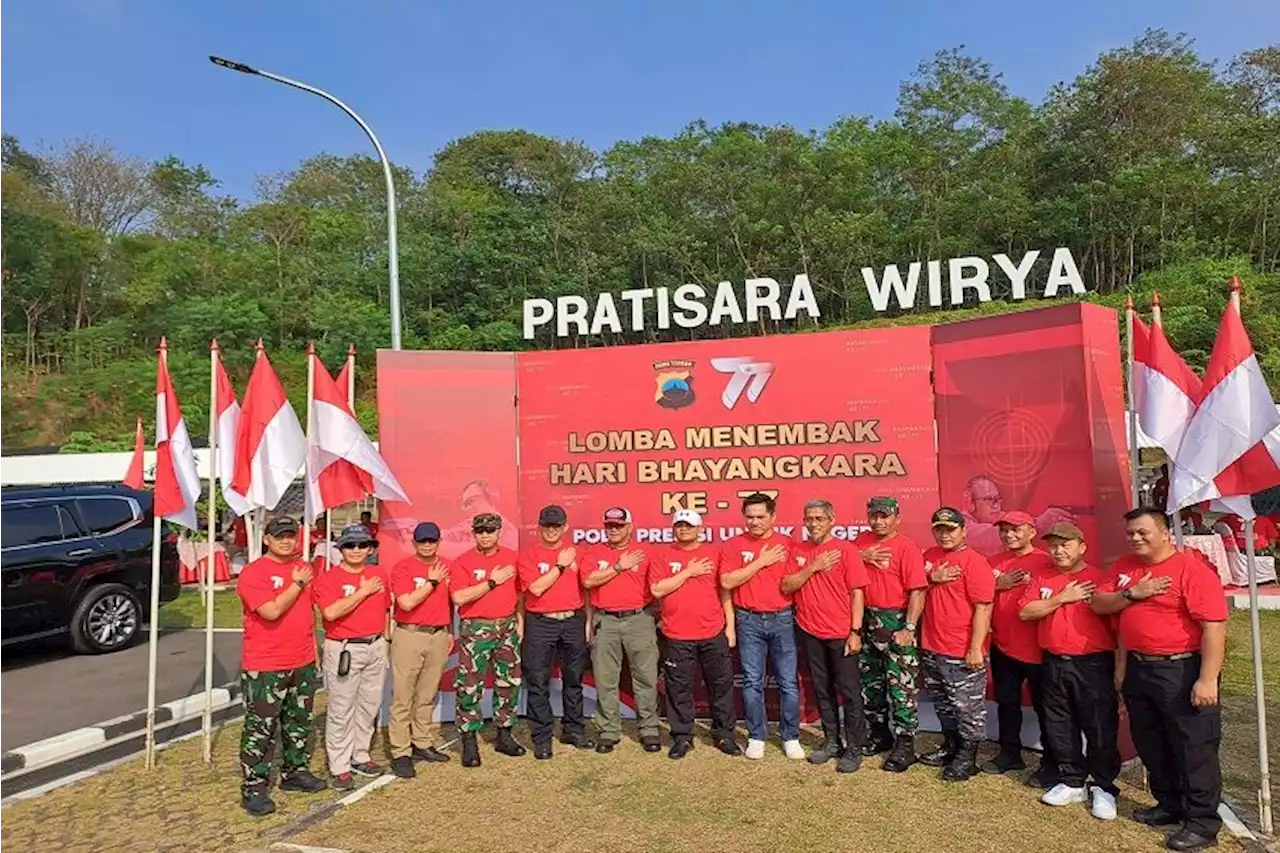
x: 426, y: 541
x: 356, y: 545
x: 484, y: 530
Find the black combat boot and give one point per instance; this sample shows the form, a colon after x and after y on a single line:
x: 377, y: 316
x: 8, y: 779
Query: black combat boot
x: 942, y: 756
x: 902, y: 756
x: 878, y: 741
x: 965, y: 764
x: 506, y: 743
x: 830, y: 749
x: 470, y: 750
x: 850, y: 761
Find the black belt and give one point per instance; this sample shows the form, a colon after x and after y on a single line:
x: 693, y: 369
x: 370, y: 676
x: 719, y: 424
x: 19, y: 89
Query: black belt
x: 622, y: 614
x: 1085, y: 656
x: 361, y: 641
x: 763, y: 612
x: 1146, y: 658
x: 557, y: 615
x: 422, y: 629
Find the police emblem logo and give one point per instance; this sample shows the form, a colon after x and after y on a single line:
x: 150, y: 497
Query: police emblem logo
x: 674, y: 383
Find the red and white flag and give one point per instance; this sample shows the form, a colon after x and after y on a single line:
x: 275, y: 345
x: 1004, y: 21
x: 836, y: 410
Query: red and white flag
x: 177, y: 480
x: 228, y: 434
x: 271, y: 448
x: 343, y: 465
x: 1234, y: 413
x: 133, y: 478
x: 1164, y: 387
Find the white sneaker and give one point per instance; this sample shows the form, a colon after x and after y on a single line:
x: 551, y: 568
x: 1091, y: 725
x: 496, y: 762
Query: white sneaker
x: 755, y: 749
x: 793, y: 750
x: 1104, y: 805
x: 1065, y: 795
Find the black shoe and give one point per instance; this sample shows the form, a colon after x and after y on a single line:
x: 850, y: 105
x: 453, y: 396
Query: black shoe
x: 430, y: 754
x: 1185, y: 839
x: 605, y: 747
x: 542, y: 751
x: 470, y: 750
x: 829, y: 750
x: 965, y: 765
x: 651, y: 743
x: 302, y: 781
x: 729, y: 746
x: 1156, y: 816
x: 1005, y: 762
x: 877, y: 743
x: 257, y: 804
x: 943, y: 755
x: 850, y: 761
x: 680, y: 748
x: 506, y: 743
x: 403, y: 767
x: 578, y: 741
x: 1045, y: 777
x: 902, y: 756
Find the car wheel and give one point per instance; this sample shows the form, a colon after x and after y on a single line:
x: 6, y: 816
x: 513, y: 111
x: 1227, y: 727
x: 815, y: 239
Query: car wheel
x: 107, y: 618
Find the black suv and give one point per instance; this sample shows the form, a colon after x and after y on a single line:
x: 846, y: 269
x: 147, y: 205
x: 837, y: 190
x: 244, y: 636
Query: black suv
x: 78, y: 559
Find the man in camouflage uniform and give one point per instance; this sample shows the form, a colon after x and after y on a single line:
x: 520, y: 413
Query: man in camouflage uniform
x: 483, y: 586
x: 278, y: 668
x: 894, y: 595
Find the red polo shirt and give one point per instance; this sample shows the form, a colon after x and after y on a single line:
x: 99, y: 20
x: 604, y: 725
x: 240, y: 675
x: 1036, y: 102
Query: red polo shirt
x: 694, y: 611
x: 286, y: 643
x: 948, y: 609
x: 823, y: 606
x: 1017, y: 639
x: 565, y: 594
x: 1072, y: 629
x: 763, y: 593
x: 627, y: 590
x: 1169, y: 623
x: 889, y: 588
x: 470, y: 568
x: 411, y: 574
x: 370, y: 615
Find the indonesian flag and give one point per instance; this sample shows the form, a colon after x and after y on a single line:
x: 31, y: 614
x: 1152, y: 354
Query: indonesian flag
x: 133, y: 477
x: 228, y: 434
x: 270, y: 446
x: 1164, y: 387
x: 1234, y: 413
x: 343, y: 464
x: 177, y: 481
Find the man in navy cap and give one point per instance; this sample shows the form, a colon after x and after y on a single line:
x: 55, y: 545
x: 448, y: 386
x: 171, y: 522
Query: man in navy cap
x: 419, y: 650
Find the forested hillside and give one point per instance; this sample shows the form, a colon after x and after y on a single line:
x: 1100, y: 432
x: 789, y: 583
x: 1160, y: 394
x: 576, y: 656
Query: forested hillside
x: 1159, y: 169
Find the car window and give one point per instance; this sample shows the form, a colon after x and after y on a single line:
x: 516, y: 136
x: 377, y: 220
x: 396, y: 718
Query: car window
x: 104, y: 515
x: 34, y: 525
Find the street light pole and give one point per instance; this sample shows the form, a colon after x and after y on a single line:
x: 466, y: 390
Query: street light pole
x: 393, y: 261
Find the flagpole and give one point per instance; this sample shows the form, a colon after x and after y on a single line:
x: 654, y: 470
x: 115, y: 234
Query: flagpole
x: 306, y: 471
x: 1133, y: 415
x: 153, y: 632
x: 207, y: 722
x: 1156, y: 320
x: 259, y: 515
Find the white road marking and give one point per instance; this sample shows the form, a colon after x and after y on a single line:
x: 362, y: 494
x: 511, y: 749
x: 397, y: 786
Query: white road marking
x: 359, y: 794
x: 1233, y: 823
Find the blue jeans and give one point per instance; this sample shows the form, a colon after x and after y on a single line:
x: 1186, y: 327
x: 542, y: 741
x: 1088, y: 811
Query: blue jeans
x: 772, y: 635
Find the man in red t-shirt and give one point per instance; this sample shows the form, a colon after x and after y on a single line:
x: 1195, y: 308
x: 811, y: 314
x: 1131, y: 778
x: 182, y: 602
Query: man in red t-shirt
x: 419, y: 650
x: 278, y: 673
x: 1173, y: 625
x: 752, y: 566
x: 617, y: 575
x: 483, y: 586
x: 828, y: 587
x: 895, y: 596
x: 354, y: 602
x: 555, y: 626
x: 697, y: 621
x: 957, y: 616
x: 1015, y: 647
x: 1079, y: 674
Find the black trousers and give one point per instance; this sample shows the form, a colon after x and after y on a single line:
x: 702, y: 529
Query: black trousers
x: 1177, y: 741
x: 1080, y: 700
x: 680, y: 663
x: 543, y: 638
x: 1008, y: 675
x: 836, y: 676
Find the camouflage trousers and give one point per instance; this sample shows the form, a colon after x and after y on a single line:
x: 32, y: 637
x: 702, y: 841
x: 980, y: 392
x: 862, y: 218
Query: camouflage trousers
x: 484, y: 645
x: 959, y: 695
x: 272, y: 699
x: 889, y: 673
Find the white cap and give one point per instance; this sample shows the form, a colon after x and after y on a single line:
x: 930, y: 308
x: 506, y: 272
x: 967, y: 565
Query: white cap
x: 686, y: 516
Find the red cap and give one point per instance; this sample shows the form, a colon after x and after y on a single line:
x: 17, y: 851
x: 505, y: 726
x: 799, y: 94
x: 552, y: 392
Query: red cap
x: 1016, y: 518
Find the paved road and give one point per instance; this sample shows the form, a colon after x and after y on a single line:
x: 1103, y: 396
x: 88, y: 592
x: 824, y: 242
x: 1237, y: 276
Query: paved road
x: 48, y: 690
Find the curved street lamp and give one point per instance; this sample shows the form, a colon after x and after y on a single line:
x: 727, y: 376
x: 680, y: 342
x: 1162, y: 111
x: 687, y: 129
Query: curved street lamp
x: 393, y: 261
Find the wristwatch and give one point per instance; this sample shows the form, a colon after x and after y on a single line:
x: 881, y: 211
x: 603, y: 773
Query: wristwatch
x: 301, y: 584
x: 1127, y: 594
x: 910, y: 626
x: 434, y: 583
x: 493, y: 584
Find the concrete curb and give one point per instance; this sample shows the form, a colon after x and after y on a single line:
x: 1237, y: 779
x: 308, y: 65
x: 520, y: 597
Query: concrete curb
x: 1240, y: 601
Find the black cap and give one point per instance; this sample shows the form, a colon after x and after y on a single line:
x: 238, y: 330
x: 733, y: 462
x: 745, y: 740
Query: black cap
x: 281, y: 525
x: 552, y: 516
x: 947, y: 517
x: 427, y: 531
x: 355, y: 534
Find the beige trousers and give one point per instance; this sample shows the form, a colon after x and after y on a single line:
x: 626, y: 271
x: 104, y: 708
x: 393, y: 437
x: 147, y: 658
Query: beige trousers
x: 354, y: 702
x: 418, y: 660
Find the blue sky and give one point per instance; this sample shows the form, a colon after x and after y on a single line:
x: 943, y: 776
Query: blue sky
x: 423, y: 73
